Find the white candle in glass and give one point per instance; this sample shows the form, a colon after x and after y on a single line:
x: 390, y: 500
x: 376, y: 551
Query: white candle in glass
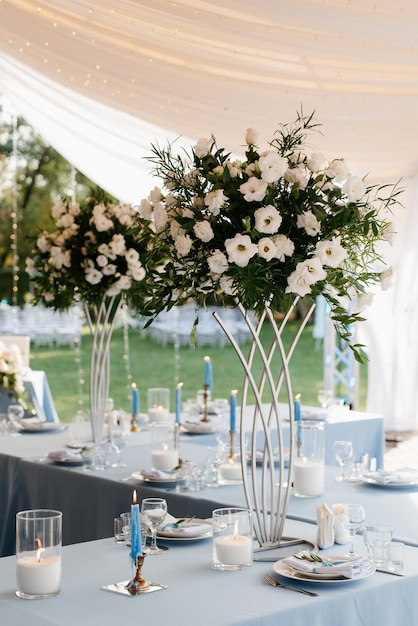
x: 233, y: 549
x: 230, y: 471
x: 164, y: 459
x: 308, y: 477
x: 38, y: 576
x: 158, y: 414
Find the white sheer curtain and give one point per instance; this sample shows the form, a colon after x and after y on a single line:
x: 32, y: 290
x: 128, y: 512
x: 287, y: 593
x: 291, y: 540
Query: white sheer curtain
x: 102, y: 80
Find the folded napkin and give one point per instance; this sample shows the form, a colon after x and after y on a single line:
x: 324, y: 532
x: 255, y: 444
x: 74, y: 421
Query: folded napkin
x: 335, y: 566
x: 341, y: 534
x: 384, y: 478
x: 155, y: 473
x: 325, y: 531
x: 183, y: 526
x: 64, y: 455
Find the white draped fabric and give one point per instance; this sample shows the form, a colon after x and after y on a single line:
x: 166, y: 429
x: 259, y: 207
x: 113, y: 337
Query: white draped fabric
x: 103, y: 80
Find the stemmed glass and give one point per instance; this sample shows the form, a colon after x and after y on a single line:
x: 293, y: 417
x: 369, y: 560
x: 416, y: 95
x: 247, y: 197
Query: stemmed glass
x: 15, y: 412
x: 325, y: 397
x: 118, y: 440
x: 154, y: 511
x: 214, y: 457
x: 343, y: 451
x: 353, y: 520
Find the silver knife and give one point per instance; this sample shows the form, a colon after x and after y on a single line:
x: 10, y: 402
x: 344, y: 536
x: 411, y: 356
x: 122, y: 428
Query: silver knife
x: 389, y: 571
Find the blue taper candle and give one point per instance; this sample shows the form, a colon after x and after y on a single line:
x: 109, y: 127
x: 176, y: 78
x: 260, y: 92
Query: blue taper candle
x: 178, y: 402
x: 208, y: 380
x: 232, y: 409
x: 136, y: 543
x: 135, y: 400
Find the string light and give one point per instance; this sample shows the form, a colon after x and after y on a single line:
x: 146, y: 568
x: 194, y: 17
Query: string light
x: 13, y: 235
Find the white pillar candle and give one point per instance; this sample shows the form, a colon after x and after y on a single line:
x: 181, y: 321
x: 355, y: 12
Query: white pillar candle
x: 164, y: 459
x: 233, y: 550
x: 38, y: 576
x: 230, y: 471
x: 158, y: 414
x: 308, y: 477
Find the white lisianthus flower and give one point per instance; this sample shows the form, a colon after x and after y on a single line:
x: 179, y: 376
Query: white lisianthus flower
x: 137, y: 272
x: 109, y: 269
x: 132, y: 256
x: 315, y: 161
x: 308, y: 221
x: 266, y: 248
x: 93, y: 276
x: 123, y: 283
x: 60, y: 258
x: 386, y: 279
x: 99, y: 219
x: 331, y: 252
x: 304, y: 276
x: 354, y: 188
x: 338, y: 170
x: 117, y: 245
x: 160, y: 217
x: 364, y: 300
x: 254, y: 190
x: 218, y: 170
x: 175, y: 229
x: 58, y: 209
x: 284, y: 246
x: 203, y: 231
x: 234, y: 168
x: 267, y: 219
x: 203, y: 147
x: 103, y: 249
x: 252, y: 169
x: 65, y: 221
x: 170, y: 201
x: 218, y: 263
x: 155, y: 195
x: 183, y: 245
x: 226, y: 284
x: 296, y: 176
x: 272, y: 166
x: 214, y: 200
x: 43, y: 243
x: 251, y: 137
x: 191, y: 178
x: 101, y: 260
x: 240, y: 249
x: 145, y: 209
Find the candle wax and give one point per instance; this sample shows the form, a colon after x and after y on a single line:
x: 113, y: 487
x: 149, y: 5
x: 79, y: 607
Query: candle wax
x: 164, y: 459
x: 158, y: 414
x: 230, y: 471
x: 38, y: 577
x: 309, y: 477
x: 135, y: 401
x: 230, y: 550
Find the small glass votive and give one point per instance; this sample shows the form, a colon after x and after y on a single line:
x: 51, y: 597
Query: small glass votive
x: 159, y: 404
x: 126, y: 525
x: 377, y: 540
x: 118, y: 530
x: 230, y: 470
x: 164, y: 451
x: 395, y: 557
x: 38, y: 553
x: 232, y: 544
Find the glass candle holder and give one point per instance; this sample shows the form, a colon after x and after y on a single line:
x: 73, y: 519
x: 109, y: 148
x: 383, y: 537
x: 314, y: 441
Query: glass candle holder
x: 159, y: 404
x: 232, y: 543
x: 164, y: 452
x: 309, y: 468
x: 38, y: 553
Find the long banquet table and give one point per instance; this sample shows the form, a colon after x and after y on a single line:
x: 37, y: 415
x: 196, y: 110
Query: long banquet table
x: 198, y: 594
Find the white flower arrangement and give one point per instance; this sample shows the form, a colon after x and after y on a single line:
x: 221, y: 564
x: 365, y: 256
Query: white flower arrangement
x: 12, y: 369
x: 281, y: 223
x: 93, y: 253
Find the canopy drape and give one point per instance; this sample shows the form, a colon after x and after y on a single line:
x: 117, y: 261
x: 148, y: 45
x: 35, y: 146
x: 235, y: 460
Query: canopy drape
x: 102, y: 81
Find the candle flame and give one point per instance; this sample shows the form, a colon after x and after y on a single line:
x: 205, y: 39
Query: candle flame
x: 235, y: 535
x: 39, y: 550
x: 134, y: 497
x: 206, y: 358
x: 180, y: 385
x: 133, y: 386
x: 165, y: 446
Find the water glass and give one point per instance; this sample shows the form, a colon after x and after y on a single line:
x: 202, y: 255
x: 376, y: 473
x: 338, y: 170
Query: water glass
x: 377, y: 540
x: 118, y: 530
x: 126, y: 525
x: 395, y: 557
x: 343, y: 451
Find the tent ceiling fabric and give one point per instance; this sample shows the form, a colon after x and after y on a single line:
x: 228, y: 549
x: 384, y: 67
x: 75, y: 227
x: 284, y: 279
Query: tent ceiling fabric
x: 152, y: 71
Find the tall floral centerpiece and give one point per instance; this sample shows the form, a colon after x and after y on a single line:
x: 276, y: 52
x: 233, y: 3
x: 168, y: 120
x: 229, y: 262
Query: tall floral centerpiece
x: 12, y: 371
x: 260, y: 232
x: 92, y: 256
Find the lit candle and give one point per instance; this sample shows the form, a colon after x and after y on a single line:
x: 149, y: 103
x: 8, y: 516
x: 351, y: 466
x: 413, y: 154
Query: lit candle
x: 159, y: 414
x: 164, y: 459
x: 178, y: 402
x: 233, y: 549
x: 135, y: 400
x: 136, y: 543
x: 298, y: 420
x: 309, y: 477
x: 208, y: 373
x: 232, y: 409
x: 38, y: 575
x: 231, y: 471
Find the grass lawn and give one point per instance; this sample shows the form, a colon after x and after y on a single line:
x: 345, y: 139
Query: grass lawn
x: 152, y: 365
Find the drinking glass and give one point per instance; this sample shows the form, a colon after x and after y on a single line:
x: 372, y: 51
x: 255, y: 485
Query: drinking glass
x: 324, y: 397
x: 343, y: 451
x: 353, y: 520
x: 214, y: 457
x: 119, y: 440
x: 15, y: 412
x: 154, y: 511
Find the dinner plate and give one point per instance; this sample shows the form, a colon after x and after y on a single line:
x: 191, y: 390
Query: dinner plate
x: 398, y: 480
x: 66, y: 461
x: 197, y: 428
x: 288, y: 572
x: 259, y: 455
x: 155, y: 480
x: 40, y: 427
x: 178, y: 535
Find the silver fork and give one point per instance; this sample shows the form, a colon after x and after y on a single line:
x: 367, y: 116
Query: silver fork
x: 275, y: 583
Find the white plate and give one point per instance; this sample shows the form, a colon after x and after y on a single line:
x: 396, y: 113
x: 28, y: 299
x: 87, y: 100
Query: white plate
x: 66, y: 461
x: 156, y: 480
x: 177, y: 535
x: 197, y: 428
x: 40, y: 427
x: 397, y: 481
x: 288, y: 572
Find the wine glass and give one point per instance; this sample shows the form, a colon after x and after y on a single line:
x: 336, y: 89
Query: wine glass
x: 119, y: 440
x: 154, y: 511
x: 343, y: 451
x: 15, y: 412
x: 353, y: 520
x: 324, y: 397
x: 214, y: 457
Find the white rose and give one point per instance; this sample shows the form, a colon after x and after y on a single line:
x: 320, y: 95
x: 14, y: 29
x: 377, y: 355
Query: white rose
x: 308, y: 221
x: 218, y: 263
x: 331, y: 252
x: 203, y: 147
x: 354, y: 188
x: 214, y: 200
x: 240, y: 249
x: 203, y: 231
x: 267, y: 219
x: 254, y: 190
x: 315, y: 161
x: 272, y: 166
x: 183, y: 245
x: 266, y: 248
x: 251, y: 137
